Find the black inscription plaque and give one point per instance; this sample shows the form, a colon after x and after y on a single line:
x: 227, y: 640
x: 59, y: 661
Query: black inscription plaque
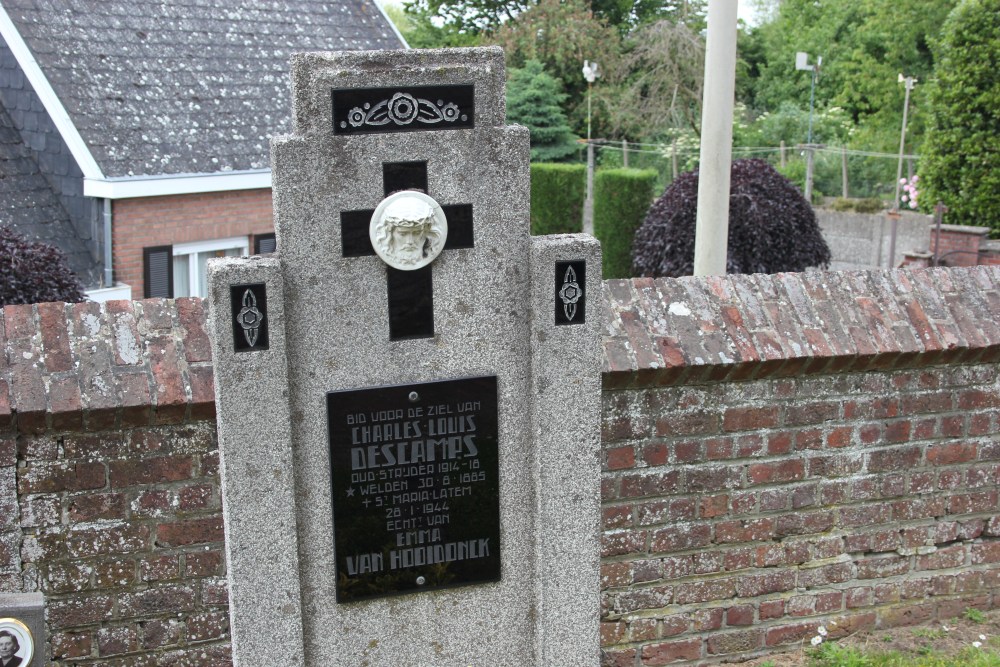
x: 415, y: 482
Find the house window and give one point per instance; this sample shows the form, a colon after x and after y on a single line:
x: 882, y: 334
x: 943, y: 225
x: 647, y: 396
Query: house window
x: 191, y: 263
x: 264, y: 244
x: 182, y: 269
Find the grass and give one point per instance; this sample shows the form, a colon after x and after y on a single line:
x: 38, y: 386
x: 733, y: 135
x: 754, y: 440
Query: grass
x: 974, y: 615
x: 929, y: 633
x: 972, y: 639
x: 832, y: 655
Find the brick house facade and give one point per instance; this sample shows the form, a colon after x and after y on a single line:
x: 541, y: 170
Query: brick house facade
x: 185, y: 221
x: 150, y: 121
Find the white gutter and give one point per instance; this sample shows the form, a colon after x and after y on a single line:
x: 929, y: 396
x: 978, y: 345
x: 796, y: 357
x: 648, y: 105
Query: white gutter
x: 175, y: 184
x: 378, y: 3
x: 48, y: 96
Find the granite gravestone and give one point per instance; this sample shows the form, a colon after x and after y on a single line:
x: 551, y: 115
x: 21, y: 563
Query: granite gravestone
x: 22, y: 628
x: 408, y: 391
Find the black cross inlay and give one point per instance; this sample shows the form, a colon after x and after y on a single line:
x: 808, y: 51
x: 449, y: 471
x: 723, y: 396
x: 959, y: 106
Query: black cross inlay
x: 411, y: 293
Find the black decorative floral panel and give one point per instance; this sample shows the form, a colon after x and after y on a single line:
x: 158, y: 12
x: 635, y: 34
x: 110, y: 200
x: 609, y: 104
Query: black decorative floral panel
x: 409, y: 109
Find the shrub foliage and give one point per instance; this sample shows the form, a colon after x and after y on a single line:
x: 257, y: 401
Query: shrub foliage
x: 772, y: 228
x: 32, y: 272
x: 961, y: 156
x: 557, y: 194
x: 621, y: 199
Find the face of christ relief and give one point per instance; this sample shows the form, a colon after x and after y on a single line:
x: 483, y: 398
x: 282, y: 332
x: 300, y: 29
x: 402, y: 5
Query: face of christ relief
x: 408, y: 230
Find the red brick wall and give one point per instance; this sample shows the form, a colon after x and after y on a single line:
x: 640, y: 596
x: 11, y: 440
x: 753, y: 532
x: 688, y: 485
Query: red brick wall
x: 780, y: 452
x: 110, y: 502
x: 122, y: 531
x: 849, y: 480
x: 154, y: 221
x: 743, y: 516
x: 962, y: 242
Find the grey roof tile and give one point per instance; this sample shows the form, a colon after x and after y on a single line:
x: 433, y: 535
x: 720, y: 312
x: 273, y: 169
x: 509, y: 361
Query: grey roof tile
x: 30, y: 207
x: 184, y: 86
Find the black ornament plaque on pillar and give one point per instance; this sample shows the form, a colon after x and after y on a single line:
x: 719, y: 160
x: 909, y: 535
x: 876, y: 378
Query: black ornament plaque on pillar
x: 571, y: 292
x: 249, y: 307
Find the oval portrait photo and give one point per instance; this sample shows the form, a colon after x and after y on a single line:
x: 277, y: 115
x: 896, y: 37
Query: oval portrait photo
x: 16, y: 644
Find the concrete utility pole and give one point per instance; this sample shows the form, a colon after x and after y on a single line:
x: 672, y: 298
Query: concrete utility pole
x: 590, y: 72
x: 711, y: 239
x: 908, y: 81
x: 809, y: 150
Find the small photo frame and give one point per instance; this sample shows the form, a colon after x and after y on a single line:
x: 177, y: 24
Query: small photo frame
x: 17, y: 646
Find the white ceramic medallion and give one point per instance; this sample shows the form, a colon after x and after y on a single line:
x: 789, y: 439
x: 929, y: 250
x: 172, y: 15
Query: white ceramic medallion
x: 408, y: 230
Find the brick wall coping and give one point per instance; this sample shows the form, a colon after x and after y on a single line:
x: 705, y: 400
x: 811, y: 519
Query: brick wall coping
x: 67, y: 367
x: 691, y: 330
x: 965, y: 229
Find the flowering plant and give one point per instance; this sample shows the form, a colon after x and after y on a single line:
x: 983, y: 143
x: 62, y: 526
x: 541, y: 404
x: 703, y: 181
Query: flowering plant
x: 910, y: 191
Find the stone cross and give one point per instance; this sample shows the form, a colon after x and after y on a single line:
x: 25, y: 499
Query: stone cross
x: 408, y: 402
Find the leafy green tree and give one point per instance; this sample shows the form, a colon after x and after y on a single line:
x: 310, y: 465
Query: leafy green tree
x: 489, y: 16
x: 865, y: 46
x: 961, y: 157
x: 420, y: 32
x: 628, y: 15
x: 560, y: 34
x: 791, y: 125
x: 533, y: 99
x: 468, y: 16
x: 656, y: 85
x: 764, y: 10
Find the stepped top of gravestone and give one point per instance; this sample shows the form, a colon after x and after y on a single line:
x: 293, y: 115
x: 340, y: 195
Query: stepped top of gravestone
x: 410, y: 439
x: 314, y: 75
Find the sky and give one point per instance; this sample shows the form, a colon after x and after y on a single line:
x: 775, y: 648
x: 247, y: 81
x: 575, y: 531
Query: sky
x: 745, y: 12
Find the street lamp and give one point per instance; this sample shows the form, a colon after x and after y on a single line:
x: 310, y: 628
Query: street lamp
x: 591, y: 71
x: 802, y: 63
x: 894, y: 214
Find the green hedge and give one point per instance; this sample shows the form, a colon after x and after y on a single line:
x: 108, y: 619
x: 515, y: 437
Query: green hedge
x: 557, y: 194
x: 621, y: 199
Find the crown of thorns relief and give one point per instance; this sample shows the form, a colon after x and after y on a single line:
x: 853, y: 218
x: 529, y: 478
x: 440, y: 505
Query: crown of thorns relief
x: 404, y: 109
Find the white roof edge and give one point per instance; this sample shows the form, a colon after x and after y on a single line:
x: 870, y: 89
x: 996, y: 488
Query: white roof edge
x: 53, y: 105
x: 175, y: 184
x: 378, y: 3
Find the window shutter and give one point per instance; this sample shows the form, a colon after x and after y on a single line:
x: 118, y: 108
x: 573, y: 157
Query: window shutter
x: 264, y: 244
x: 158, y: 271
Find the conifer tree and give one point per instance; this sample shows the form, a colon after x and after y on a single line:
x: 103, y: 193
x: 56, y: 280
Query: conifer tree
x: 533, y: 100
